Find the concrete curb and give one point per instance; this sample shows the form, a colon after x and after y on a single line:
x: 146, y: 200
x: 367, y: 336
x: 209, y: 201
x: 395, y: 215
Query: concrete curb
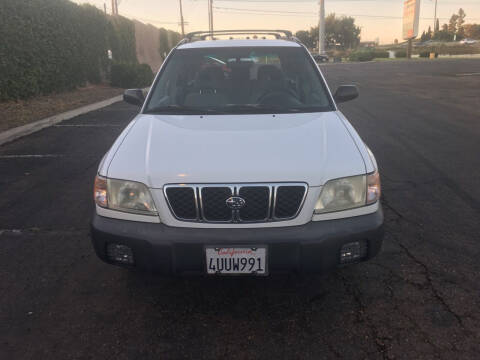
x: 15, y: 133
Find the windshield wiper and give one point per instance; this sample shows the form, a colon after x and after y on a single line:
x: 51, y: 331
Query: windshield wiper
x: 181, y: 109
x: 263, y: 108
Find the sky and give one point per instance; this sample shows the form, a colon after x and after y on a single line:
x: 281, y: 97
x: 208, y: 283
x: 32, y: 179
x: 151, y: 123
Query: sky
x: 378, y: 19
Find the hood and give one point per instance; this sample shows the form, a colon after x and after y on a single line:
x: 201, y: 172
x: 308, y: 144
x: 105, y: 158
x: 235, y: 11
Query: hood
x: 165, y: 149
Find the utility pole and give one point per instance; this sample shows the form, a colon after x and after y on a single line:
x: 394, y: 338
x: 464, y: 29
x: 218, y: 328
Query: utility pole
x: 435, y: 18
x: 116, y: 7
x: 113, y: 7
x: 321, y: 28
x: 105, y: 8
x: 181, y: 19
x: 210, y: 16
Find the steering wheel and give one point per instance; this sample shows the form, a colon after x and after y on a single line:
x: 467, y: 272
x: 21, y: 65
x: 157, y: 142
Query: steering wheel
x: 269, y: 95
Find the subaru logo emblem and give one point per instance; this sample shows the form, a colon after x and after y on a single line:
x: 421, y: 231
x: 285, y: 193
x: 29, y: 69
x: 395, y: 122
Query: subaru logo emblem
x: 235, y: 202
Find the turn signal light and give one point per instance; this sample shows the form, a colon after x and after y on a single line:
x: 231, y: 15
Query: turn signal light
x: 100, y: 194
x: 373, y: 188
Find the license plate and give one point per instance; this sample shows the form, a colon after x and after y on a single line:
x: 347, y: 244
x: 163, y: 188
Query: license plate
x: 236, y: 260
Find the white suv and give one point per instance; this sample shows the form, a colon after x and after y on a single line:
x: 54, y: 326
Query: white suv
x: 239, y: 162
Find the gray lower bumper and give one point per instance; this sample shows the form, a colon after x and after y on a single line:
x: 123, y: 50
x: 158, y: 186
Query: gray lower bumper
x: 314, y: 247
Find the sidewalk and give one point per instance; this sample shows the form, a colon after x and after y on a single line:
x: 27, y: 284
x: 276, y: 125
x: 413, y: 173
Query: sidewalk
x: 27, y: 116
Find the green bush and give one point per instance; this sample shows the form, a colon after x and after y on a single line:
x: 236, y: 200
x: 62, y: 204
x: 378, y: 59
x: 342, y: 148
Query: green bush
x: 361, y: 55
x: 54, y: 45
x: 131, y: 75
x: 459, y: 49
x: 424, y: 54
x: 380, y: 54
x: 401, y: 53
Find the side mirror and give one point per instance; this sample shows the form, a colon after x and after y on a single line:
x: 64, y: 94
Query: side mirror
x: 346, y: 93
x: 134, y: 96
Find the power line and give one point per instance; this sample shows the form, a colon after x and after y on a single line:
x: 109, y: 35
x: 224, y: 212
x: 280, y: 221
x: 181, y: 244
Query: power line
x: 451, y: 2
x: 265, y: 11
x: 305, y: 13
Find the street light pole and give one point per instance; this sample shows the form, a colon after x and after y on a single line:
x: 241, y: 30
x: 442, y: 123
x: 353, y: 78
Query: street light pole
x: 321, y: 28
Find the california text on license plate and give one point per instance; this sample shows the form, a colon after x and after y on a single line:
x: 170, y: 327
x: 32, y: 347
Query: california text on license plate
x: 236, y: 260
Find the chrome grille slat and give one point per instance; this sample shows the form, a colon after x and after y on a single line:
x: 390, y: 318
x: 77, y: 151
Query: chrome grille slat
x: 201, y: 205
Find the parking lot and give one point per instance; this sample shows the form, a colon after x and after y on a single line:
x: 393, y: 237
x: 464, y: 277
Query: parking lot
x: 419, y: 298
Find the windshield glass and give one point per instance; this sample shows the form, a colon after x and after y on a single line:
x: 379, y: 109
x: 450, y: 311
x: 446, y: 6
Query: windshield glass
x: 239, y: 80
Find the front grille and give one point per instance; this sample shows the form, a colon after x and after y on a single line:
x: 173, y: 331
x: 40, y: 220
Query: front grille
x: 257, y: 203
x: 183, y: 202
x: 261, y: 202
x: 287, y: 200
x: 214, y: 206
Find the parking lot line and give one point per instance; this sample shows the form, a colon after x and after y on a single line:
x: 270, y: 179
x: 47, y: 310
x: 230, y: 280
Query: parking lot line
x: 89, y: 125
x: 469, y: 74
x: 29, y: 156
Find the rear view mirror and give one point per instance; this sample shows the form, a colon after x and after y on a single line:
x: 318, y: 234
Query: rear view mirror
x: 346, y: 93
x: 134, y: 96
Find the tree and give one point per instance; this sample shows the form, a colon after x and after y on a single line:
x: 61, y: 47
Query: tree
x: 452, y: 24
x: 460, y: 22
x: 461, y: 18
x: 429, y: 33
x: 340, y: 31
x: 444, y: 34
x: 305, y: 37
x: 437, y: 26
x: 472, y: 31
x: 423, y: 37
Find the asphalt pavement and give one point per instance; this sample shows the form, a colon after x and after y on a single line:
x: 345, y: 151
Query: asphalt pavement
x: 419, y: 299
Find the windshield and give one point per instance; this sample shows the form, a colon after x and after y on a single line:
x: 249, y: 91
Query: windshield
x: 239, y: 80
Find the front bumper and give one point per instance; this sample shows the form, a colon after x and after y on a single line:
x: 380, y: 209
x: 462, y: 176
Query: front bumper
x: 310, y: 248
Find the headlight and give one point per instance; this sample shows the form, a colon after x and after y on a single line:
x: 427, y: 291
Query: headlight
x: 128, y: 196
x: 348, y: 193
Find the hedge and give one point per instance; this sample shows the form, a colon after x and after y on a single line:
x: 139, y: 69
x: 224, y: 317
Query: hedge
x: 401, y: 53
x: 121, y: 39
x: 380, y: 54
x: 54, y: 45
x: 444, y: 49
x: 131, y: 75
x: 361, y: 55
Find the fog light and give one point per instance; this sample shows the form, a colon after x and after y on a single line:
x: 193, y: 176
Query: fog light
x: 120, y: 253
x: 353, y: 252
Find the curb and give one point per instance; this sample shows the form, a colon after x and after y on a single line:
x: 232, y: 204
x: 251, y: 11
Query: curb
x: 20, y: 131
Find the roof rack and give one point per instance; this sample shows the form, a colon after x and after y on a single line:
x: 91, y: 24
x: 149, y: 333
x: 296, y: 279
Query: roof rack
x: 202, y: 35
